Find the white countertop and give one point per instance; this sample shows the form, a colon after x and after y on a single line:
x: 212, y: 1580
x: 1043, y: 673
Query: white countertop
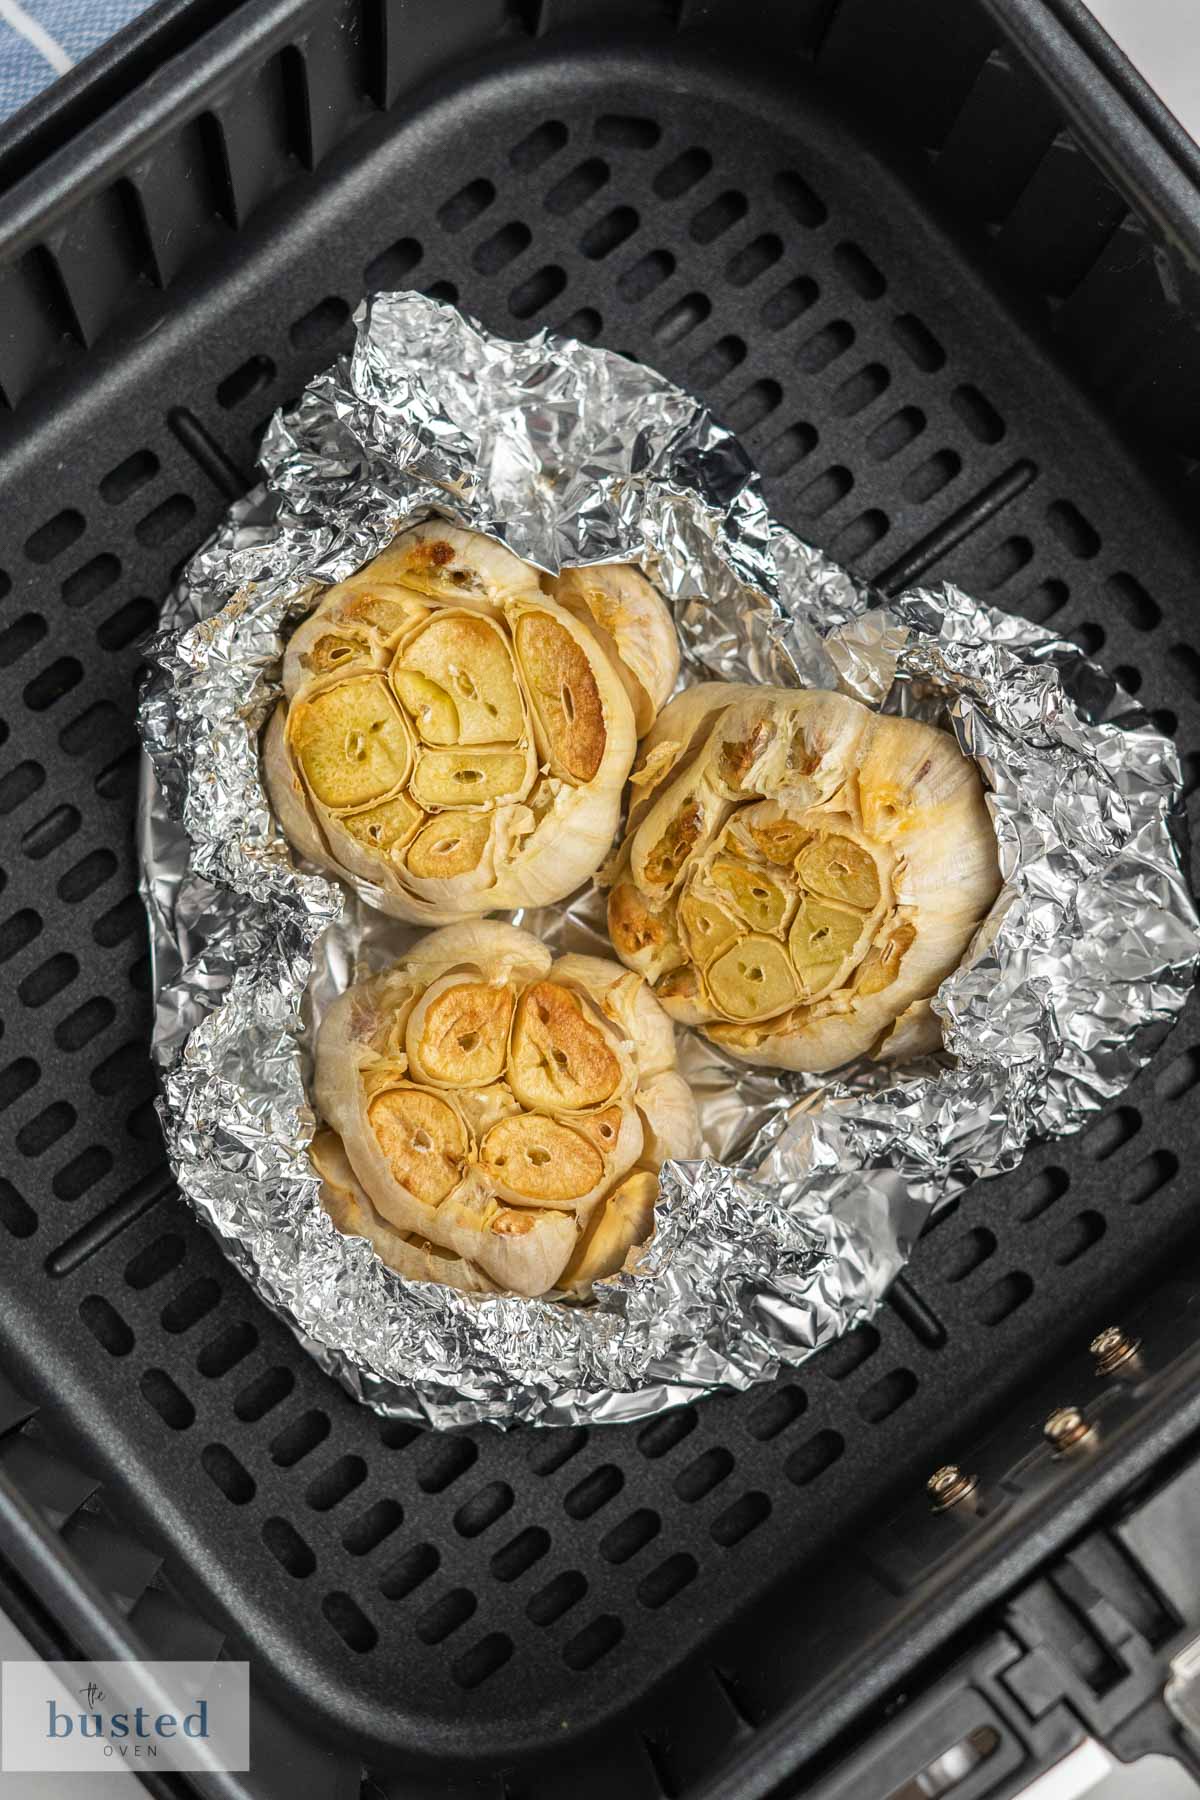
x: 1162, y: 40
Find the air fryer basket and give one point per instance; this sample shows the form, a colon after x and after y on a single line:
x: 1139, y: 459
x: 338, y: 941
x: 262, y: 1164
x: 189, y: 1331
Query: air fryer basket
x: 754, y: 200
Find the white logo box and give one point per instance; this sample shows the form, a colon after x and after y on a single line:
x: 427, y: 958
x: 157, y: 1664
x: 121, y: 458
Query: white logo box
x: 146, y: 1717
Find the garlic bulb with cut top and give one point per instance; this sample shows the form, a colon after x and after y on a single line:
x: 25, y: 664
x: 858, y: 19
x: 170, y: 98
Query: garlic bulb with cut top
x: 496, y: 1119
x: 453, y: 735
x: 799, y: 873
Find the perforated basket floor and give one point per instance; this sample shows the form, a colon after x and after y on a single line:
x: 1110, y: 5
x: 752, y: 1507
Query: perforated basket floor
x: 477, y: 1596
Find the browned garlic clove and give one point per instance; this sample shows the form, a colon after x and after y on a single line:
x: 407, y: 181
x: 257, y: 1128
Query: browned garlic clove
x: 352, y: 1212
x: 620, y: 606
x: 620, y: 1225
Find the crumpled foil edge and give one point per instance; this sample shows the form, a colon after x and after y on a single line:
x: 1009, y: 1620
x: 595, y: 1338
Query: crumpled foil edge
x: 569, y: 454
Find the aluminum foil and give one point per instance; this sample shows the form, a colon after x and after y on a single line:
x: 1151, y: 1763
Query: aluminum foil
x: 813, y: 1192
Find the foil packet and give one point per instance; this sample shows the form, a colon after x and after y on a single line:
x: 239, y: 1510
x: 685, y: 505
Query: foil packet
x: 813, y: 1191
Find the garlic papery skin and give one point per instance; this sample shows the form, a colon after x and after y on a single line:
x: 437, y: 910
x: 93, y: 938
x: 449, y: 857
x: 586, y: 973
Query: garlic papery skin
x: 799, y: 874
x: 483, y: 1104
x: 452, y: 739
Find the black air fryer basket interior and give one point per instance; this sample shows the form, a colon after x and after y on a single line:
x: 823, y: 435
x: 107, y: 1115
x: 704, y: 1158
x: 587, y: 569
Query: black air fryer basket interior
x: 866, y: 236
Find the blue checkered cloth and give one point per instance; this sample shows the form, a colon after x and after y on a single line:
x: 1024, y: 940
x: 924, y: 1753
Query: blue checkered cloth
x: 41, y: 39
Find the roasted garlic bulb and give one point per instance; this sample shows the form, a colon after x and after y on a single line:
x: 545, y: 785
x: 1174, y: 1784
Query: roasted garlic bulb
x: 799, y: 874
x: 496, y: 1119
x: 455, y: 736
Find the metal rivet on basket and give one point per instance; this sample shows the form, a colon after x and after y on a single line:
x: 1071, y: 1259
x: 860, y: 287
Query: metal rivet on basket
x: 948, y: 1485
x: 1066, y: 1428
x: 1112, y: 1349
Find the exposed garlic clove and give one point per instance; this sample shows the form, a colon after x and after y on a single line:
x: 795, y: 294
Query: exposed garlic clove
x: 351, y: 629
x: 760, y: 903
x: 634, y: 627
x: 642, y: 933
x: 626, y: 1002
x: 389, y: 611
x: 428, y: 705
x: 422, y: 1139
x: 558, y: 1057
x: 880, y: 967
x: 466, y: 658
x: 602, y: 1128
x: 565, y: 694
x: 617, y: 1132
x: 288, y: 794
x: 450, y: 846
x: 840, y: 869
x: 454, y: 778
x: 534, y: 1158
x: 707, y: 928
x: 824, y: 942
x: 776, y: 837
x: 350, y: 741
x: 676, y: 828
x: 333, y: 650
x: 753, y: 980
x: 621, y: 1224
x: 457, y: 1035
x: 358, y: 840
x: 681, y: 992
x: 352, y: 1212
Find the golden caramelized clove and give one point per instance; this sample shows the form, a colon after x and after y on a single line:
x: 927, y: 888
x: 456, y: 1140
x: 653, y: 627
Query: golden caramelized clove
x: 352, y: 1212
x: 559, y: 1057
x: 620, y: 1224
x: 532, y: 1157
x: 422, y: 1139
x: 351, y: 743
x: 458, y: 1034
x: 566, y: 698
x: 632, y: 627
